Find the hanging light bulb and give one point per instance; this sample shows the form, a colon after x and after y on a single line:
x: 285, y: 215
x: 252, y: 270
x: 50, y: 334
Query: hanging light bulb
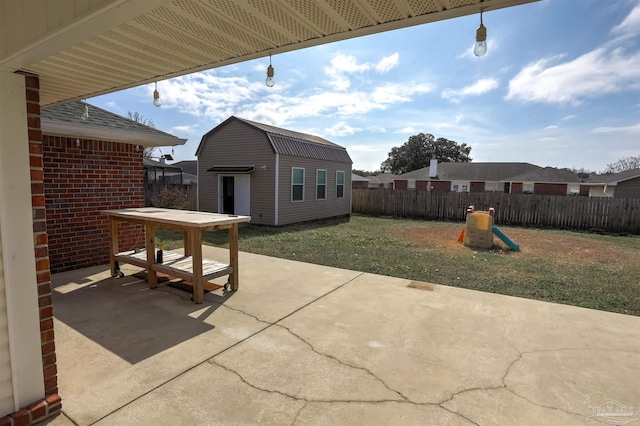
x: 269, y: 82
x: 480, y: 49
x: 85, y: 111
x: 156, y: 96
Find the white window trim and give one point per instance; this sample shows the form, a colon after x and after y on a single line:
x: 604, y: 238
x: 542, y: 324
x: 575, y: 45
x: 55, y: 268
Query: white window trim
x: 304, y: 172
x: 318, y: 184
x: 343, y: 182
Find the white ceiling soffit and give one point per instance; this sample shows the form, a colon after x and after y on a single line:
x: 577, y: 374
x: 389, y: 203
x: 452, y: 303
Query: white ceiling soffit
x: 184, y: 36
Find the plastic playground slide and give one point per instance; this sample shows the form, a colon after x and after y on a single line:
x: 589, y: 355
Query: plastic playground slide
x: 508, y: 241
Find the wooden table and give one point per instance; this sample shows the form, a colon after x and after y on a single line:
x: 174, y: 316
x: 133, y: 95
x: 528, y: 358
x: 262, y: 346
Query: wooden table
x: 189, y: 266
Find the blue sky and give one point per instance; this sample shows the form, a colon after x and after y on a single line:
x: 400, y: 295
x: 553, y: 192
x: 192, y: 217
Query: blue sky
x: 559, y: 86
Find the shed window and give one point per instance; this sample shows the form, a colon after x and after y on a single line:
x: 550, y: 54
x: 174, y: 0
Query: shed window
x: 339, y: 184
x: 297, y: 184
x: 321, y: 184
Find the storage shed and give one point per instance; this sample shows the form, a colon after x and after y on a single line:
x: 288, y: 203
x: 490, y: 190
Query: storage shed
x: 276, y: 176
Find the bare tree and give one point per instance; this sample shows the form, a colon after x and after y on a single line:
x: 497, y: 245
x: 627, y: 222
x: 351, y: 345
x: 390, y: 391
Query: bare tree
x: 623, y: 164
x: 139, y: 118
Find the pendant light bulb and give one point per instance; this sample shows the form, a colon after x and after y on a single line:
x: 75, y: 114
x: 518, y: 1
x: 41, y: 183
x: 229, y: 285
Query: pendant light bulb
x: 270, y: 72
x: 156, y: 96
x: 85, y: 111
x: 480, y: 49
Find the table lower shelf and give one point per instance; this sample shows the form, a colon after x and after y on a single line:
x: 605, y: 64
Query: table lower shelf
x: 176, y: 264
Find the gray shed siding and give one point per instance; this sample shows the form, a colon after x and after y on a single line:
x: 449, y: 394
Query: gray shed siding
x: 310, y: 208
x: 628, y: 189
x: 238, y: 144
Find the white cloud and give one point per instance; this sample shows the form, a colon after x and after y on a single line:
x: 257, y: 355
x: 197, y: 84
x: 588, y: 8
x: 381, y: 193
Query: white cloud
x: 387, y: 63
x: 341, y: 129
x: 478, y: 88
x: 630, y: 25
x: 569, y: 117
x: 376, y: 129
x: 550, y: 128
x: 340, y: 66
x: 407, y: 129
x: 591, y: 75
x: 364, y: 148
x: 634, y: 128
x: 188, y: 129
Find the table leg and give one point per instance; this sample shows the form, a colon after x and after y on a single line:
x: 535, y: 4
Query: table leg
x: 150, y: 244
x: 113, y: 244
x: 233, y: 256
x: 187, y: 243
x: 195, y: 240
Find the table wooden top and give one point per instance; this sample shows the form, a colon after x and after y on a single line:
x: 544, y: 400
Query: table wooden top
x: 184, y: 218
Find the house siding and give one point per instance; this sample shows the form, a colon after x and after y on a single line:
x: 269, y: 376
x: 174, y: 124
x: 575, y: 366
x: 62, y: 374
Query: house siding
x: 81, y: 179
x: 236, y: 143
x: 628, y: 189
x: 310, y: 208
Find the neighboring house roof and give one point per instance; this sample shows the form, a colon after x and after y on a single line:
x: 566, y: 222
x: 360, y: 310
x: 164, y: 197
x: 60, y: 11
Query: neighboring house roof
x: 188, y: 166
x: 147, y: 163
x: 613, y: 178
x: 383, y: 178
x: 289, y: 142
x: 65, y: 120
x: 481, y: 172
x: 547, y: 175
x: 358, y: 178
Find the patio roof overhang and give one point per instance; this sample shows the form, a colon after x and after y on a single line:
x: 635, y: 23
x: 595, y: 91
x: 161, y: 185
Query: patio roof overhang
x: 85, y: 49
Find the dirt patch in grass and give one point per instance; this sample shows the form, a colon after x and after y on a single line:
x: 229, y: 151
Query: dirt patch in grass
x: 561, y: 246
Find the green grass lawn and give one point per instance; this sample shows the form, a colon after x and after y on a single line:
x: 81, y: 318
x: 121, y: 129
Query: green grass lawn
x: 588, y: 270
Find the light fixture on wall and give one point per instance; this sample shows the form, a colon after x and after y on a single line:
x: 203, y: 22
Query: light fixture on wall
x: 85, y: 110
x: 270, y: 72
x: 480, y: 49
x: 156, y: 96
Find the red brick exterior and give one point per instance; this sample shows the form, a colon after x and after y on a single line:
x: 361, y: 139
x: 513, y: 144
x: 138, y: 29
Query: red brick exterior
x: 82, y: 178
x: 516, y: 188
x: 51, y: 405
x: 441, y: 186
x: 477, y: 187
x: 401, y: 184
x: 422, y: 185
x: 550, y: 188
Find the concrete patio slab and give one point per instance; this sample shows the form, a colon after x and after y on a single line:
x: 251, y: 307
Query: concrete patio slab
x: 305, y: 344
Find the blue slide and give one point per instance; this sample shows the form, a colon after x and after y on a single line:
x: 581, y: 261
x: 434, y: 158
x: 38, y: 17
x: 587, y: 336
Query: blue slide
x: 513, y: 246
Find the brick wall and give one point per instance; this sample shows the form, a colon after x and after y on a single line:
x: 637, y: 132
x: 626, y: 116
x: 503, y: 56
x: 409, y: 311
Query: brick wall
x: 82, y: 178
x: 550, y: 188
x: 51, y: 405
x: 441, y: 185
x: 402, y: 185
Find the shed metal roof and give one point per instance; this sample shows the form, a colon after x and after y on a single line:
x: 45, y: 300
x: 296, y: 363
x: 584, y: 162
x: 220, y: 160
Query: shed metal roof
x: 290, y: 142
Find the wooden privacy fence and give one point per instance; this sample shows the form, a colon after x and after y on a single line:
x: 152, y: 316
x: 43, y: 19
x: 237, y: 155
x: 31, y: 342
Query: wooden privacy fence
x: 153, y: 189
x: 571, y: 212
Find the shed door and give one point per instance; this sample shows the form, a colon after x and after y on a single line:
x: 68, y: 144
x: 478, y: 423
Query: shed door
x: 227, y: 195
x: 235, y: 194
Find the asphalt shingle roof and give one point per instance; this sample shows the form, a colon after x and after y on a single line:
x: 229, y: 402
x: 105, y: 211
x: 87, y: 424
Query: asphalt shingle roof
x: 188, y: 166
x: 615, y: 177
x: 481, y: 172
x: 71, y: 112
x: 547, y: 175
